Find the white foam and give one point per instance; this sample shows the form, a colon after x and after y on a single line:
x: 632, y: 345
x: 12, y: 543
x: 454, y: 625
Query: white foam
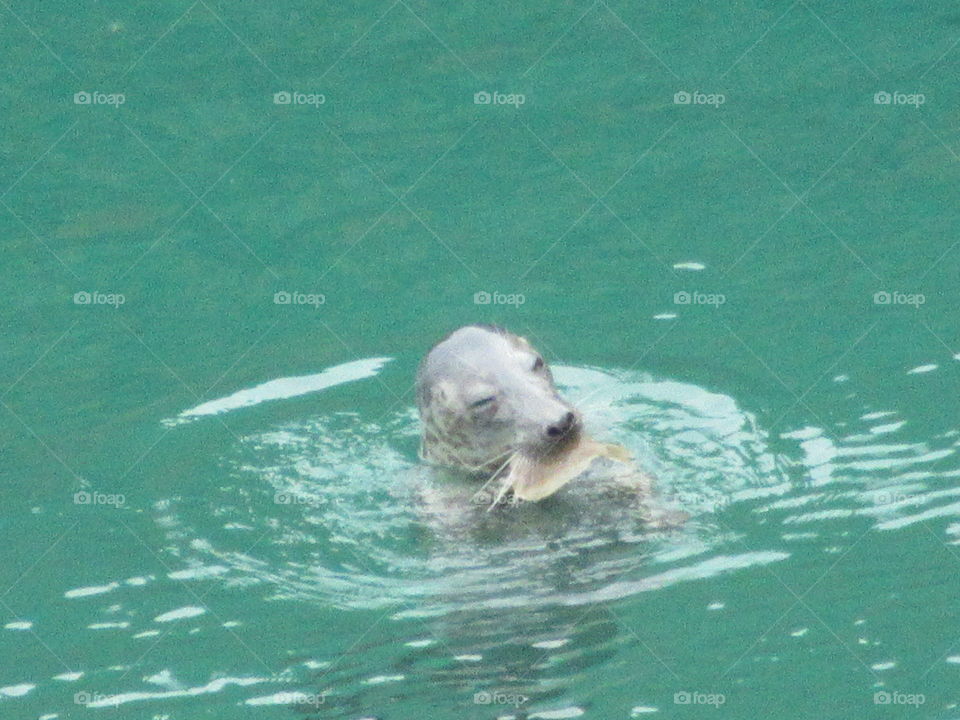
x: 211, y: 687
x: 180, y: 614
x: 68, y: 676
x: 570, y: 712
x: 91, y: 590
x: 698, y: 571
x: 888, y: 428
x: 198, y: 573
x: 380, y: 679
x: 288, y: 387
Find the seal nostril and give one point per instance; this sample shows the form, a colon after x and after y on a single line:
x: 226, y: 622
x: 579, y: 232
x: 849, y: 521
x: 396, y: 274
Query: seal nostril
x: 561, y: 427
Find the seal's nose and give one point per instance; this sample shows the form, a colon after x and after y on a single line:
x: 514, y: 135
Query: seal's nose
x: 561, y: 428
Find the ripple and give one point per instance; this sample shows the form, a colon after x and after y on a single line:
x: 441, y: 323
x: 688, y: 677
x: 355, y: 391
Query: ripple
x: 347, y: 515
x: 92, y: 590
x: 190, y: 611
x: 214, y: 686
x: 283, y: 388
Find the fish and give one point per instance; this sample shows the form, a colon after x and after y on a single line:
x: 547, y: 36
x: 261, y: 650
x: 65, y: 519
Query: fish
x: 534, y: 478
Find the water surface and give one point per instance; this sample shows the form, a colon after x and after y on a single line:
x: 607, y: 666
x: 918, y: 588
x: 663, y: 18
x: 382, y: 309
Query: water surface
x: 214, y: 303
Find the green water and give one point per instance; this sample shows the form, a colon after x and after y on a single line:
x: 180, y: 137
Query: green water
x: 285, y: 555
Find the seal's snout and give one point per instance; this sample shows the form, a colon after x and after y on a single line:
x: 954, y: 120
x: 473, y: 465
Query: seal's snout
x: 562, y: 427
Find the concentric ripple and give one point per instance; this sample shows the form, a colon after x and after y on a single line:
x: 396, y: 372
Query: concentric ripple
x: 336, y: 508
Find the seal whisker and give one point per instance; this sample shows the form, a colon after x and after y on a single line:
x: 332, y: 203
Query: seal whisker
x: 504, y: 487
x: 509, y: 455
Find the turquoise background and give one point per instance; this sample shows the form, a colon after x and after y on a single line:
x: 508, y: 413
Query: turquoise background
x: 397, y: 199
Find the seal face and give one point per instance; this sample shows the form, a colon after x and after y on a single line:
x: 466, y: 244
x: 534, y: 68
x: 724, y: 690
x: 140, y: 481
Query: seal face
x: 484, y: 393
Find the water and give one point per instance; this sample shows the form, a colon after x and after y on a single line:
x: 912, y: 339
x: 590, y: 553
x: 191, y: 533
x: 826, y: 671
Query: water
x: 214, y: 305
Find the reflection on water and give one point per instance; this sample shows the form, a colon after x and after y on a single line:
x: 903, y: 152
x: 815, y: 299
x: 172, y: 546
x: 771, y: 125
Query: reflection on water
x: 283, y: 388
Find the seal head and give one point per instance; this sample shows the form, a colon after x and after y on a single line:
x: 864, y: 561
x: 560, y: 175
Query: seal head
x: 484, y: 394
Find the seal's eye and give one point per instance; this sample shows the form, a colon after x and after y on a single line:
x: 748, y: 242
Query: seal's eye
x: 482, y: 402
x: 537, y: 364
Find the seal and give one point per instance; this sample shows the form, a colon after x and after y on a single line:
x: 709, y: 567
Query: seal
x: 484, y: 395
